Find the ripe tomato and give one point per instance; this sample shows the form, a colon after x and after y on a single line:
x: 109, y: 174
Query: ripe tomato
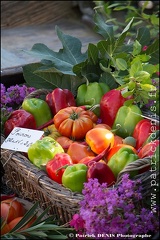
x: 102, y: 125
x: 77, y: 151
x: 18, y: 206
x: 115, y: 148
x: 14, y: 222
x: 99, y: 139
x: 73, y: 122
x: 93, y: 116
x: 8, y: 212
x: 117, y: 140
x: 65, y: 142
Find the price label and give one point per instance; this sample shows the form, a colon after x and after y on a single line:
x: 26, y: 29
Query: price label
x: 21, y: 138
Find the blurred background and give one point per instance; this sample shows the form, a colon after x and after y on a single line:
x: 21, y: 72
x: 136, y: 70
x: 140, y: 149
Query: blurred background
x: 24, y: 23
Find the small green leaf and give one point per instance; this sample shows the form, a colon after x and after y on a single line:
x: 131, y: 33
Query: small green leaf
x: 145, y: 16
x: 92, y: 53
x: 142, y: 76
x: 148, y: 87
x: 154, y: 19
x: 144, y: 57
x: 135, y: 67
x: 109, y: 79
x: 136, y: 48
x: 150, y: 68
x: 128, y: 102
x: 104, y: 48
x: 120, y: 41
x: 121, y: 64
x: 153, y: 52
x: 103, y: 29
x: 143, y: 36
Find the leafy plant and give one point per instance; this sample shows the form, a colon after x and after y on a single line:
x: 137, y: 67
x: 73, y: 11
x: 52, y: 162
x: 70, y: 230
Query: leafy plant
x: 118, y: 61
x: 42, y: 228
x: 130, y: 9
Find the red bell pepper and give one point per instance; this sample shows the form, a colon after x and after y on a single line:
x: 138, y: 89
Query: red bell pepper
x: 19, y: 118
x: 142, y: 131
x: 149, y: 149
x: 56, y: 167
x: 109, y: 105
x: 59, y: 99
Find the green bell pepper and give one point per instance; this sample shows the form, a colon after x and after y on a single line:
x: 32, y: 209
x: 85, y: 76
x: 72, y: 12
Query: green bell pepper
x: 74, y: 177
x: 39, y: 109
x: 120, y: 159
x: 91, y: 94
x: 43, y: 150
x: 126, y: 119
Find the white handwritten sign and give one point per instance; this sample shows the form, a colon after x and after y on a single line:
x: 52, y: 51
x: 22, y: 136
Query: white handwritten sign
x: 21, y: 138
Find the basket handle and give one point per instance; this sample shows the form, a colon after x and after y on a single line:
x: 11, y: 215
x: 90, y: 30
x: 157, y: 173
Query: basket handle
x: 37, y: 93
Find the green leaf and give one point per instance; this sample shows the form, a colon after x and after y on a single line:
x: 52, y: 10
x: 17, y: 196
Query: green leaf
x: 105, y: 49
x: 109, y: 79
x: 121, y: 64
x: 154, y: 19
x: 135, y: 67
x: 144, y: 57
x: 136, y: 48
x: 103, y: 29
x: 143, y: 36
x: 153, y: 51
x: 49, y: 80
x: 150, y: 68
x: 120, y: 41
x: 92, y: 53
x: 66, y: 58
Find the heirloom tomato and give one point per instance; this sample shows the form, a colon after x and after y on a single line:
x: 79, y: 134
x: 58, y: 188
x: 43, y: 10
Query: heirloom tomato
x: 65, y: 142
x: 73, y: 122
x: 99, y: 139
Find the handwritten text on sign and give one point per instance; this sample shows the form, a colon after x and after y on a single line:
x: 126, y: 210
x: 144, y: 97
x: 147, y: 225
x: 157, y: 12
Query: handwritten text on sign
x: 21, y: 138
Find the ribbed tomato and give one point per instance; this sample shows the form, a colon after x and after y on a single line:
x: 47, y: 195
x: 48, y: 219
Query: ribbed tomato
x: 73, y: 122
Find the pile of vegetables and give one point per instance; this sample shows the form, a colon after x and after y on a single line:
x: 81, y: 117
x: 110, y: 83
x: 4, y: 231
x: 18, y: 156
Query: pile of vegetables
x: 80, y: 143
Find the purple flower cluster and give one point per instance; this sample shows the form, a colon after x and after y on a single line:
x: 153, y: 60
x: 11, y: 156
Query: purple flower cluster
x: 12, y: 98
x: 114, y: 210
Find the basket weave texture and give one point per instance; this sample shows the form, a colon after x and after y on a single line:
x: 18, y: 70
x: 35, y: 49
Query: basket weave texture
x: 24, y: 13
x: 33, y: 184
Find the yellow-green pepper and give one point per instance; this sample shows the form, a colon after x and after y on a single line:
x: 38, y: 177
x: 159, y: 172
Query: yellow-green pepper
x: 43, y: 150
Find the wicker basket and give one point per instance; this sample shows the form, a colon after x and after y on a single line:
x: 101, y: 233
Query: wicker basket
x: 34, y: 185
x: 25, y: 13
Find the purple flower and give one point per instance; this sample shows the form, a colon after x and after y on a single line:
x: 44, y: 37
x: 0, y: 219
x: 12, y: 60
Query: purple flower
x: 114, y: 210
